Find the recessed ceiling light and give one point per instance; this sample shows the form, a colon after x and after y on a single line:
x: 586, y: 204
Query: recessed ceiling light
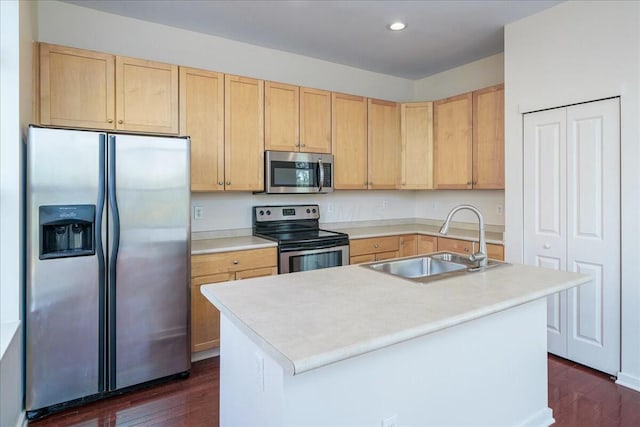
x: 397, y: 26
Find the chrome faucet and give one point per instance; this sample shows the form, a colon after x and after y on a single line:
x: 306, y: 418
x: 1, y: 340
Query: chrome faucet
x: 481, y: 255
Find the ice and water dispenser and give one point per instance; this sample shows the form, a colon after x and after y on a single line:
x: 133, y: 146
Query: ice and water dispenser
x: 67, y: 231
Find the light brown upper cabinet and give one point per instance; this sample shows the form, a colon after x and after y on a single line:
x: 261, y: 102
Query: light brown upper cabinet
x: 416, y: 130
x: 469, y: 140
x: 349, y: 141
x: 384, y: 144
x: 82, y: 88
x: 488, y: 138
x: 297, y: 118
x: 281, y: 117
x: 452, y: 123
x: 76, y: 88
x: 243, y: 133
x: 315, y: 120
x: 146, y: 96
x: 202, y: 118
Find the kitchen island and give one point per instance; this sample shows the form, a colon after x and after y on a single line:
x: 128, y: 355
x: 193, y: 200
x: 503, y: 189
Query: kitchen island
x: 352, y: 346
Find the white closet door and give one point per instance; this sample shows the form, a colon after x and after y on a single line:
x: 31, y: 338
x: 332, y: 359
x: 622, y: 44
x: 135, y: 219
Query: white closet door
x: 545, y: 242
x: 593, y: 241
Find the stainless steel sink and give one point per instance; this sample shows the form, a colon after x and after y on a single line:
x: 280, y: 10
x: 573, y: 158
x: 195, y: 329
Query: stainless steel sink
x: 426, y: 268
x: 417, y: 267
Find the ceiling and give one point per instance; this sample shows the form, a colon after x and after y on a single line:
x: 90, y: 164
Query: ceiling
x: 440, y: 35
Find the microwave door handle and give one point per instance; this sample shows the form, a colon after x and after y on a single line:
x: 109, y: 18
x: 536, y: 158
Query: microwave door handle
x: 321, y: 179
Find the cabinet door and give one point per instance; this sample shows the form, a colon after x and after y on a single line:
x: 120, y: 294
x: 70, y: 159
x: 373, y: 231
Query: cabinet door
x: 384, y: 145
x: 315, y: 120
x: 408, y: 245
x: 281, y: 117
x: 427, y: 244
x: 76, y: 88
x: 495, y: 251
x: 452, y: 123
x: 488, y: 138
x: 146, y: 96
x: 416, y: 129
x: 349, y: 141
x: 244, y: 133
x: 256, y: 272
x: 454, y: 245
x: 202, y: 118
x: 359, y: 259
x: 205, y: 318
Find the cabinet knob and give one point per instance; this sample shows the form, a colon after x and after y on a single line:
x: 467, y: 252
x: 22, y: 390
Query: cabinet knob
x: 228, y: 182
x: 235, y: 262
x: 220, y: 182
x: 375, y: 246
x: 547, y: 245
x: 468, y: 182
x: 466, y: 249
x: 120, y: 121
x: 304, y: 145
x: 109, y: 120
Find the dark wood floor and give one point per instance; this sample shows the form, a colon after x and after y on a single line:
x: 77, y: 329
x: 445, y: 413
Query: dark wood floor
x: 579, y: 397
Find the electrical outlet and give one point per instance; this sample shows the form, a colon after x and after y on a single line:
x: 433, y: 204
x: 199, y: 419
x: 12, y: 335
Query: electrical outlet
x: 198, y: 212
x: 385, y: 204
x: 330, y: 207
x: 392, y: 421
x: 499, y: 210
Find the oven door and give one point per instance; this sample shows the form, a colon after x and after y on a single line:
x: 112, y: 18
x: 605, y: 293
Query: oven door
x: 313, y: 259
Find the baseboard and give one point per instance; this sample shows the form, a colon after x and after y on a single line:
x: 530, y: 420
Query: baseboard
x: 201, y: 355
x: 544, y: 417
x: 628, y: 381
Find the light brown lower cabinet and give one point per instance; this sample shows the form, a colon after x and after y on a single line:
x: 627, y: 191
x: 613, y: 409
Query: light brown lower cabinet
x: 374, y: 249
x: 466, y: 247
x: 218, y: 268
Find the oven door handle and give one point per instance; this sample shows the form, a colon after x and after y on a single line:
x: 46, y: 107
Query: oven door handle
x: 321, y: 173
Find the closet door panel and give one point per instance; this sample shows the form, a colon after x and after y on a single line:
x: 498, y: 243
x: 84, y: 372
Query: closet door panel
x: 593, y: 243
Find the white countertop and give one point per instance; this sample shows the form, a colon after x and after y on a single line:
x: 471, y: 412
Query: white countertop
x: 311, y: 319
x: 238, y: 243
x: 208, y: 246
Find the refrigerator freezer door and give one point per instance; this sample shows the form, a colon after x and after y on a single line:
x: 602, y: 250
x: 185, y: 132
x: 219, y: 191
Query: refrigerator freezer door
x: 62, y: 297
x: 149, y: 255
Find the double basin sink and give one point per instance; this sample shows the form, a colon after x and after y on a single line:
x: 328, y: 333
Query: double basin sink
x: 427, y: 268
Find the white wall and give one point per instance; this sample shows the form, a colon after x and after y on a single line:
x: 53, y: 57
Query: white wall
x: 437, y: 204
x: 76, y: 26
x: 575, y: 52
x: 482, y: 73
x: 18, y: 31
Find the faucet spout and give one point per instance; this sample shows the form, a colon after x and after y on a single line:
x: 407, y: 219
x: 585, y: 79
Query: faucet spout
x: 481, y: 255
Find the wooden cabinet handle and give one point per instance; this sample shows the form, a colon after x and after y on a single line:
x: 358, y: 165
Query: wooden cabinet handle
x: 109, y: 120
x: 120, y: 121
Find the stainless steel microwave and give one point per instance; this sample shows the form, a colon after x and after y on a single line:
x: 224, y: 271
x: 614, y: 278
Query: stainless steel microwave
x: 292, y: 172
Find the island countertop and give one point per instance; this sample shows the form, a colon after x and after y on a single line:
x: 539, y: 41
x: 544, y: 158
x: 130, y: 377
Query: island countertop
x: 310, y: 319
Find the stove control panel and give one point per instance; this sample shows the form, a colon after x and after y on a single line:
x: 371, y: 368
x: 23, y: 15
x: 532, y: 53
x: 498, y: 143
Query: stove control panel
x: 286, y: 213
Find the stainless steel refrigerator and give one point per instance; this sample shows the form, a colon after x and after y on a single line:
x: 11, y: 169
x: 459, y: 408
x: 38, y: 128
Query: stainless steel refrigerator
x: 107, y: 254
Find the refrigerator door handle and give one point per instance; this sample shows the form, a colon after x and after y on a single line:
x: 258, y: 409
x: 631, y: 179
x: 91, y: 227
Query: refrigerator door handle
x: 100, y: 254
x: 113, y: 258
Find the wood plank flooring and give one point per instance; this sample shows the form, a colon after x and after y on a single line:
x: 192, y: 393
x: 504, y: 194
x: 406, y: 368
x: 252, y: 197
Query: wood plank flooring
x: 579, y: 397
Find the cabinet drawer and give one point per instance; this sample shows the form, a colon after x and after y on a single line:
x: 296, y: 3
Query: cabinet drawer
x: 256, y: 272
x: 224, y: 262
x: 374, y: 245
x: 359, y: 259
x: 454, y: 245
x: 387, y: 255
